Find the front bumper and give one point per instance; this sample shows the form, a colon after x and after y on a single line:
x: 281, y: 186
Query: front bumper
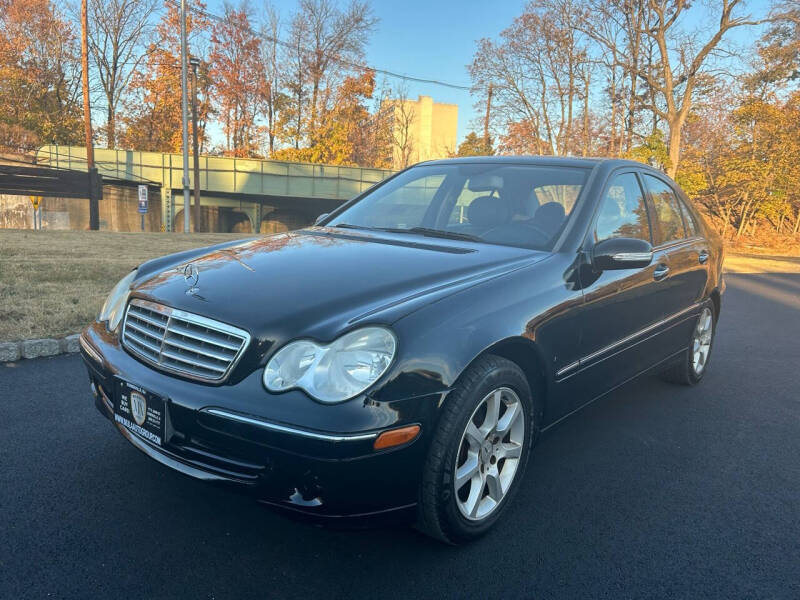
x: 328, y: 472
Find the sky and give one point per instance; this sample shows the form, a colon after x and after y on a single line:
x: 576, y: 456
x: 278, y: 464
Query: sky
x: 436, y: 40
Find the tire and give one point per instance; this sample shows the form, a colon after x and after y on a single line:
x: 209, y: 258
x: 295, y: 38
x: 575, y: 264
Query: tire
x: 685, y: 371
x: 458, y: 515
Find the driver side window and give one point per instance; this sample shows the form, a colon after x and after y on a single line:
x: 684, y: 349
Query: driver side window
x: 623, y: 212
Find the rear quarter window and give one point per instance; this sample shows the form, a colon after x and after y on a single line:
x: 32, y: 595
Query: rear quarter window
x: 689, y: 221
x: 667, y: 211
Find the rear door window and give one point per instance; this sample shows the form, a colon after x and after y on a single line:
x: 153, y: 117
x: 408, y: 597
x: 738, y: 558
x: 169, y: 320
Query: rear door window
x: 667, y: 212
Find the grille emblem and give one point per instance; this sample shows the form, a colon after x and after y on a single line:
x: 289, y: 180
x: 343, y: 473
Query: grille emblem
x: 191, y: 275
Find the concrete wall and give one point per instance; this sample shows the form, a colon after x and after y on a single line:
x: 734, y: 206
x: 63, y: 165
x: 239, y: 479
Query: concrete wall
x: 118, y: 211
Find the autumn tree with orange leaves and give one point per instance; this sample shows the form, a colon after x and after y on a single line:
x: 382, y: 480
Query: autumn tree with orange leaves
x: 347, y: 130
x: 153, y: 108
x: 240, y: 84
x: 39, y: 76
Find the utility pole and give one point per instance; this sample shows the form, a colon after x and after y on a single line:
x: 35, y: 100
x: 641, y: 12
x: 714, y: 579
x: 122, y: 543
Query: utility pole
x: 486, y: 120
x: 94, y: 208
x: 195, y: 62
x: 184, y: 119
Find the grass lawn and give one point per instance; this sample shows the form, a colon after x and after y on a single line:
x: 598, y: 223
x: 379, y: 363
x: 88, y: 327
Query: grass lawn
x: 52, y: 283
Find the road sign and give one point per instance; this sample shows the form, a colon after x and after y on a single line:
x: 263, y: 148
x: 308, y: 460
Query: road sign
x: 35, y: 200
x: 143, y: 199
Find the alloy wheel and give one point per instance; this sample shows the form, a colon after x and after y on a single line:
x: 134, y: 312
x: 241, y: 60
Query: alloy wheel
x: 701, y: 340
x: 489, y: 453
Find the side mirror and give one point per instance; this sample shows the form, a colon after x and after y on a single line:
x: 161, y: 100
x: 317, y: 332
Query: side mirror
x: 621, y: 253
x: 320, y: 218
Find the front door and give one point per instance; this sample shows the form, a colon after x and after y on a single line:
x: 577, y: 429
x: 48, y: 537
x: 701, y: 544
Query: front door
x: 620, y: 306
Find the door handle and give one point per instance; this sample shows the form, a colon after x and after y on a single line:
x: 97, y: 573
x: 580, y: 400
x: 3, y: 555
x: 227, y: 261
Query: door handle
x: 703, y: 257
x: 660, y: 272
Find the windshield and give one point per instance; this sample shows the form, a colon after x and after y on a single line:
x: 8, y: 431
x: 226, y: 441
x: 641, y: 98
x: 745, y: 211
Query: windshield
x: 508, y: 204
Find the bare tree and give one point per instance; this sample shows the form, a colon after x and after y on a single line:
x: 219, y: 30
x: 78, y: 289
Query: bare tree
x: 270, y: 32
x: 616, y: 28
x: 403, y: 115
x: 536, y: 72
x: 333, y: 40
x: 292, y: 121
x: 681, y: 63
x: 118, y: 33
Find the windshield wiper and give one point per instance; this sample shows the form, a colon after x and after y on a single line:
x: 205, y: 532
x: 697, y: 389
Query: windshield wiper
x: 429, y: 232
x: 349, y: 226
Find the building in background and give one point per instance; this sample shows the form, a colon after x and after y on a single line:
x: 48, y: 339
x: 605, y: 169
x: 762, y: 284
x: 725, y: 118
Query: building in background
x: 422, y: 130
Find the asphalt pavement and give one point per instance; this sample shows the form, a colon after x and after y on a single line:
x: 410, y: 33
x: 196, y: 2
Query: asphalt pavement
x: 652, y: 491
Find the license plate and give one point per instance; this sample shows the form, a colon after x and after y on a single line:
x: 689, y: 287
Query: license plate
x: 140, y: 412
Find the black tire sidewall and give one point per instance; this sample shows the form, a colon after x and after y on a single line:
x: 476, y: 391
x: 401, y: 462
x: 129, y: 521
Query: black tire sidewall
x: 693, y: 377
x: 504, y: 374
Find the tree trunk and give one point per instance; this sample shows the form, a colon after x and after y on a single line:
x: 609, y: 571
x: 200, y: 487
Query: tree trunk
x: 745, y: 217
x: 613, y: 92
x: 675, y: 127
x: 111, y: 118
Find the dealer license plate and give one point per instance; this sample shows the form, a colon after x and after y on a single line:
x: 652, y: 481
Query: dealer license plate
x: 140, y: 412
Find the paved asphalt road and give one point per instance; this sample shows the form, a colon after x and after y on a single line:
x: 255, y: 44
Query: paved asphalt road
x: 654, y: 491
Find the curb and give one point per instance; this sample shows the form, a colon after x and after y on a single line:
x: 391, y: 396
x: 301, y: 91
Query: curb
x: 36, y: 348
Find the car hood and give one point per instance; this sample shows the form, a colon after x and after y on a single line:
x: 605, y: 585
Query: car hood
x: 318, y: 281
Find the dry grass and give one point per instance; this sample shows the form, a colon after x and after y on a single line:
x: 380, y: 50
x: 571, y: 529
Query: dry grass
x: 52, y: 283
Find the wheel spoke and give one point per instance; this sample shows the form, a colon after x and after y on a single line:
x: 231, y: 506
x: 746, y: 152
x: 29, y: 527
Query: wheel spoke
x: 492, y: 412
x: 467, y: 471
x: 493, y: 485
x: 475, y: 495
x: 509, y: 418
x: 474, y: 436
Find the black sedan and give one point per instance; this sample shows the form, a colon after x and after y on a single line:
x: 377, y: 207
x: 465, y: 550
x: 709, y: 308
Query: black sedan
x: 401, y: 356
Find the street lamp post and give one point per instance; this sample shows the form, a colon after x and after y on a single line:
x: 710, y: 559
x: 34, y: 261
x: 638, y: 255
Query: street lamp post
x: 195, y: 62
x: 184, y: 120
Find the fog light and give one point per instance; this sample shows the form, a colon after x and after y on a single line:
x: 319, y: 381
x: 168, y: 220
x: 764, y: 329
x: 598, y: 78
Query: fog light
x: 396, y: 437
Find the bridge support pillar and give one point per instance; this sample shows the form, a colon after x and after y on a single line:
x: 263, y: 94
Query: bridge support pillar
x: 166, y: 209
x: 258, y: 211
x: 95, y: 194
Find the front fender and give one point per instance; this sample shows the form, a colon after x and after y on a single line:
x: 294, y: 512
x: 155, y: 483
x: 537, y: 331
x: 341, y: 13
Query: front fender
x: 535, y: 305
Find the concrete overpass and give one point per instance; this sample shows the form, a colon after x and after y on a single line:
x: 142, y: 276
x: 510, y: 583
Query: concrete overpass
x: 236, y: 194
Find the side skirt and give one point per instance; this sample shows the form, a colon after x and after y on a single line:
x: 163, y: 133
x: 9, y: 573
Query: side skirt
x: 650, y: 369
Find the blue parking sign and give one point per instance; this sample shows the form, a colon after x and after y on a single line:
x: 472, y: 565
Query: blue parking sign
x: 143, y: 199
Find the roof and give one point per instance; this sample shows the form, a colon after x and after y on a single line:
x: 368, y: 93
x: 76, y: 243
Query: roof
x: 550, y: 161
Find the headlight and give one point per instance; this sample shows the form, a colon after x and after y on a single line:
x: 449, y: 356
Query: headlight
x: 114, y: 306
x: 334, y: 372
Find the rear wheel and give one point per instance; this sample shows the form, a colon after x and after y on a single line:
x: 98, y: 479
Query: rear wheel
x: 694, y: 362
x: 478, y: 453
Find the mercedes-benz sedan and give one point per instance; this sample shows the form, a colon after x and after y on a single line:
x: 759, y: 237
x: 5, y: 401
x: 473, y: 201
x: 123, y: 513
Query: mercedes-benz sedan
x: 401, y: 356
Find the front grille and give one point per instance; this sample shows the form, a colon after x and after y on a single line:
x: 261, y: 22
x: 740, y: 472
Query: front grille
x: 181, y: 342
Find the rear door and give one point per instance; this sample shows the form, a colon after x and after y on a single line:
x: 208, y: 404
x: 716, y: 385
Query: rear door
x: 679, y: 244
